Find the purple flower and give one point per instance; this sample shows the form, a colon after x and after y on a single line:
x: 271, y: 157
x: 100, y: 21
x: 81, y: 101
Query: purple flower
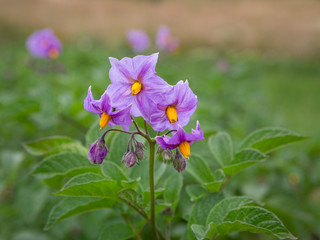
x: 106, y: 112
x: 165, y: 41
x: 181, y: 139
x: 138, y: 40
x: 134, y: 81
x: 44, y: 44
x: 98, y: 151
x: 175, y: 109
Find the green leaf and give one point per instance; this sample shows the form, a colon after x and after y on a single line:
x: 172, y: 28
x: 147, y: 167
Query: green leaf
x: 68, y: 207
x: 119, y: 231
x: 199, y: 169
x: 113, y: 171
x: 200, y: 210
x: 221, y: 209
x: 133, y: 183
x: 61, y: 163
x: 118, y: 148
x: 44, y: 145
x: 57, y: 181
x: 255, y: 220
x: 235, y: 214
x: 146, y: 195
x: 196, y: 192
x: 242, y: 160
x: 74, y: 147
x: 219, y: 179
x: 221, y: 148
x: 130, y: 196
x: 269, y: 139
x: 173, y: 188
x: 90, y: 185
x: 94, y: 133
x: 200, y: 231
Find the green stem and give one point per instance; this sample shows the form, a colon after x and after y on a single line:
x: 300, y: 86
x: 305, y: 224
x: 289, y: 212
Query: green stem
x: 152, y: 196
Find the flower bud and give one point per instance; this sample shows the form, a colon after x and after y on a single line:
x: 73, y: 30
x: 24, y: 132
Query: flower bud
x: 129, y: 159
x: 140, y: 145
x: 98, y: 151
x: 160, y: 150
x: 167, y: 156
x: 179, y: 162
x: 139, y: 154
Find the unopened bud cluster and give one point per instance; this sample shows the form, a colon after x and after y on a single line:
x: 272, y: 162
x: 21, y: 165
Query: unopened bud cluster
x: 134, y: 154
x: 178, y: 161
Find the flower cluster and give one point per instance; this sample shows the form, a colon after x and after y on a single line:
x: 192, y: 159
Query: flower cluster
x: 44, y: 44
x: 139, y: 41
x: 137, y: 91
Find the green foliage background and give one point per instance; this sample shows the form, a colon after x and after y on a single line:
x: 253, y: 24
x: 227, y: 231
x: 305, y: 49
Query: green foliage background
x: 42, y: 98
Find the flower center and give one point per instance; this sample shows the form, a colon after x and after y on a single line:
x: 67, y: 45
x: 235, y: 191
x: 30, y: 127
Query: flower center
x: 172, y: 114
x: 53, y: 53
x: 105, y: 118
x: 184, y: 148
x: 136, y: 88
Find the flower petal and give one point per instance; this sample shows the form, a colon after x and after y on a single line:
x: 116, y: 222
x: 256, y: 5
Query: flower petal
x: 196, y: 135
x: 105, y: 103
x: 89, y: 103
x: 121, y: 117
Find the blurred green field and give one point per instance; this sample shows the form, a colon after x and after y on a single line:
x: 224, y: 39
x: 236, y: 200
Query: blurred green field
x: 41, y: 98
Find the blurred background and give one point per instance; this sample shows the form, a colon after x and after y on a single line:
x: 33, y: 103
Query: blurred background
x: 252, y: 64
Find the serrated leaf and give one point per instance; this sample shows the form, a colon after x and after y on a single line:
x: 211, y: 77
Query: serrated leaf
x: 44, y: 145
x: 269, y: 139
x: 199, y: 169
x: 221, y: 209
x: 242, y: 160
x: 221, y: 148
x: 90, y: 185
x: 113, y: 171
x: 173, y: 188
x: 196, y: 192
x: 69, y: 207
x: 255, y: 220
x: 61, y: 163
x: 119, y: 231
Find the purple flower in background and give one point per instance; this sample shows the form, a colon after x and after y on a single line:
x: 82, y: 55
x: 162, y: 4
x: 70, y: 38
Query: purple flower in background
x: 165, y: 41
x: 175, y: 109
x: 106, y: 112
x: 44, y: 44
x: 138, y: 40
x: 134, y: 81
x: 98, y: 151
x: 181, y: 139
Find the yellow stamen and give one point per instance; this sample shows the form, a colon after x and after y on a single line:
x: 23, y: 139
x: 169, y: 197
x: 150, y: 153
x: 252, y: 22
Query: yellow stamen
x: 136, y: 88
x: 172, y: 114
x: 105, y: 118
x: 53, y: 53
x: 185, y: 149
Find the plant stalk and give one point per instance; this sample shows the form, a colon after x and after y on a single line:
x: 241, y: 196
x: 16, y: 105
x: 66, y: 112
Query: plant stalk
x: 152, y: 196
